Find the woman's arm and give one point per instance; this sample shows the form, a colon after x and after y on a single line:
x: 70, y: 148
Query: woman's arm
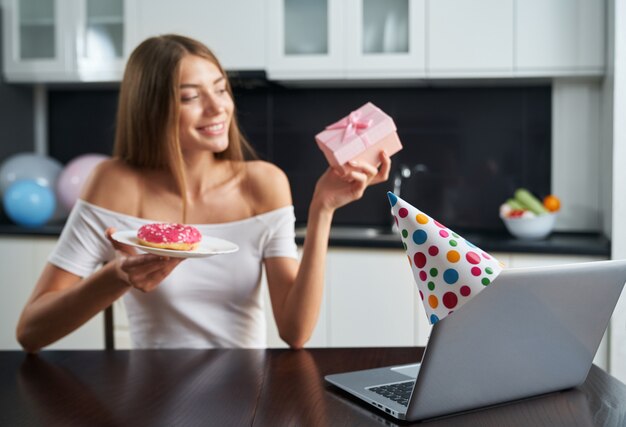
x: 296, y: 292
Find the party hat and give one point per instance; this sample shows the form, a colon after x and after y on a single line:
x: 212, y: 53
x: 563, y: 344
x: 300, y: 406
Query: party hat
x: 448, y: 270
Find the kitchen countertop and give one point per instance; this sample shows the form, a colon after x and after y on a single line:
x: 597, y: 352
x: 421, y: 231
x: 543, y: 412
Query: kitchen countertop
x: 491, y: 241
x: 371, y: 237
x: 7, y: 229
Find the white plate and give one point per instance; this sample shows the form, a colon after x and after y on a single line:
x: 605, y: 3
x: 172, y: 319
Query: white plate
x: 209, y: 246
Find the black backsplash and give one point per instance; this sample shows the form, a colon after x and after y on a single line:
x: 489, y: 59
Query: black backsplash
x: 469, y: 147
x: 81, y: 122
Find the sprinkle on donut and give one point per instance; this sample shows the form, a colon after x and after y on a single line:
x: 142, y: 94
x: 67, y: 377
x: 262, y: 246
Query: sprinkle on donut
x: 169, y: 236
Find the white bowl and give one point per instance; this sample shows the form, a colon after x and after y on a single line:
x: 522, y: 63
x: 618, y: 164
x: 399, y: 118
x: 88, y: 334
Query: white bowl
x: 535, y: 228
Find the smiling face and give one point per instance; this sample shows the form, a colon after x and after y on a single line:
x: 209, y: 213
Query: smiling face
x: 206, y: 107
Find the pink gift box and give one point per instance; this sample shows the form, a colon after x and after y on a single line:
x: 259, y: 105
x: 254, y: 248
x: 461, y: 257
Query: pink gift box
x: 360, y: 136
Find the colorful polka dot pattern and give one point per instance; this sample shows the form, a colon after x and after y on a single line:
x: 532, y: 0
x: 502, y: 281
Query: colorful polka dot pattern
x: 448, y: 270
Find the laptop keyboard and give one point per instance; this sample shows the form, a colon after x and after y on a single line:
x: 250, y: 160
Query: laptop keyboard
x: 398, y: 392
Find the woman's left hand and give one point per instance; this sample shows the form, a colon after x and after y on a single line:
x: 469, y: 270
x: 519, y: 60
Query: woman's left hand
x: 337, y: 188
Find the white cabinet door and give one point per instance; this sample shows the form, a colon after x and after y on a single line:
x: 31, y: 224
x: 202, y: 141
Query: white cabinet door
x: 543, y: 260
x: 372, y: 299
x: 385, y: 38
x: 101, y: 39
x: 234, y: 30
x: 337, y: 39
x: 34, y: 38
x: 320, y: 334
x: 17, y: 270
x: 64, y: 40
x: 469, y: 38
x: 305, y: 39
x: 21, y: 261
x: 560, y: 37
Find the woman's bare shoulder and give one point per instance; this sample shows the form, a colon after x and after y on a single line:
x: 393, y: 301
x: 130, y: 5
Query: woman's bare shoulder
x: 268, y: 186
x: 115, y: 186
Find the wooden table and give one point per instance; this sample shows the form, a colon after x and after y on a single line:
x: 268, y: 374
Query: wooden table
x: 249, y: 387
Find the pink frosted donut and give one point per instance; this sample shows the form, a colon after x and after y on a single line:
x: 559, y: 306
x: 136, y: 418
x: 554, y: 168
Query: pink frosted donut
x: 169, y: 236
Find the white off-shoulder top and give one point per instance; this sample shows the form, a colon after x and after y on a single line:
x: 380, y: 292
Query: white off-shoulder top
x: 205, y: 302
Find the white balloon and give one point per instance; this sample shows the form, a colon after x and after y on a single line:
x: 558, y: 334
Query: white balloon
x: 43, y: 170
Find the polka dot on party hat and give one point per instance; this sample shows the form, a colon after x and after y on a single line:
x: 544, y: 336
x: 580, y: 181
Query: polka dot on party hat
x: 448, y: 270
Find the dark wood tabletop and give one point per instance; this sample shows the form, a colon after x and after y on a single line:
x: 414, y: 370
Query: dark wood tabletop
x: 249, y: 387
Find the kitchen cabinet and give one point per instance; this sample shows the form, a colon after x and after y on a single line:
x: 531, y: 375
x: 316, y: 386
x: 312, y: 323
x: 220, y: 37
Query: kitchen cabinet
x: 520, y: 260
x: 514, y: 38
x: 326, y: 39
x: 470, y: 37
x: 64, y: 40
x: 233, y: 30
x: 337, y: 39
x: 321, y: 332
x: 305, y: 39
x: 385, y: 39
x: 89, y: 40
x: 560, y: 37
x: 370, y: 300
x: 22, y: 260
x: 373, y: 300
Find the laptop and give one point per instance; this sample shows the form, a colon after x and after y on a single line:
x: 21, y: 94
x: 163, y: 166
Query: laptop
x: 533, y: 331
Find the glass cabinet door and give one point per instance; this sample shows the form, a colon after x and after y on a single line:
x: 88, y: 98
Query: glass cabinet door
x: 305, y: 38
x: 385, y: 27
x: 36, y: 26
x: 64, y: 40
x: 386, y: 37
x: 306, y: 27
x: 102, y: 37
x: 32, y: 39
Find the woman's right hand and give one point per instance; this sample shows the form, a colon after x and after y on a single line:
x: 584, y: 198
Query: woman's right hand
x: 140, y: 271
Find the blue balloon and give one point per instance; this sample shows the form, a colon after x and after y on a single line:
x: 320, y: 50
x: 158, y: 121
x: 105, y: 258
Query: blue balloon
x: 28, y: 204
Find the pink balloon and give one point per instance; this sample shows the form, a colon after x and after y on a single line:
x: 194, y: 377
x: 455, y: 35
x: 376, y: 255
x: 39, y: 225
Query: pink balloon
x: 73, y: 177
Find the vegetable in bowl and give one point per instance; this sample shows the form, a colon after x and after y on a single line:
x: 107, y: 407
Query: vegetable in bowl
x: 526, y: 217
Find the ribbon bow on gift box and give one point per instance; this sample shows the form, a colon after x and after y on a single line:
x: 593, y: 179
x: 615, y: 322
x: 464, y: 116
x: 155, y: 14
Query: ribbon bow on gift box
x: 351, y: 124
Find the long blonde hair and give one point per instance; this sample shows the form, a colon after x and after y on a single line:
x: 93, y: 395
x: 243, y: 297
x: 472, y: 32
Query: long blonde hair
x: 148, y: 109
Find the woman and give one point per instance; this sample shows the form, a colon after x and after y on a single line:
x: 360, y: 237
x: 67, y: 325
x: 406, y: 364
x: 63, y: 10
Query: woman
x: 179, y: 157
